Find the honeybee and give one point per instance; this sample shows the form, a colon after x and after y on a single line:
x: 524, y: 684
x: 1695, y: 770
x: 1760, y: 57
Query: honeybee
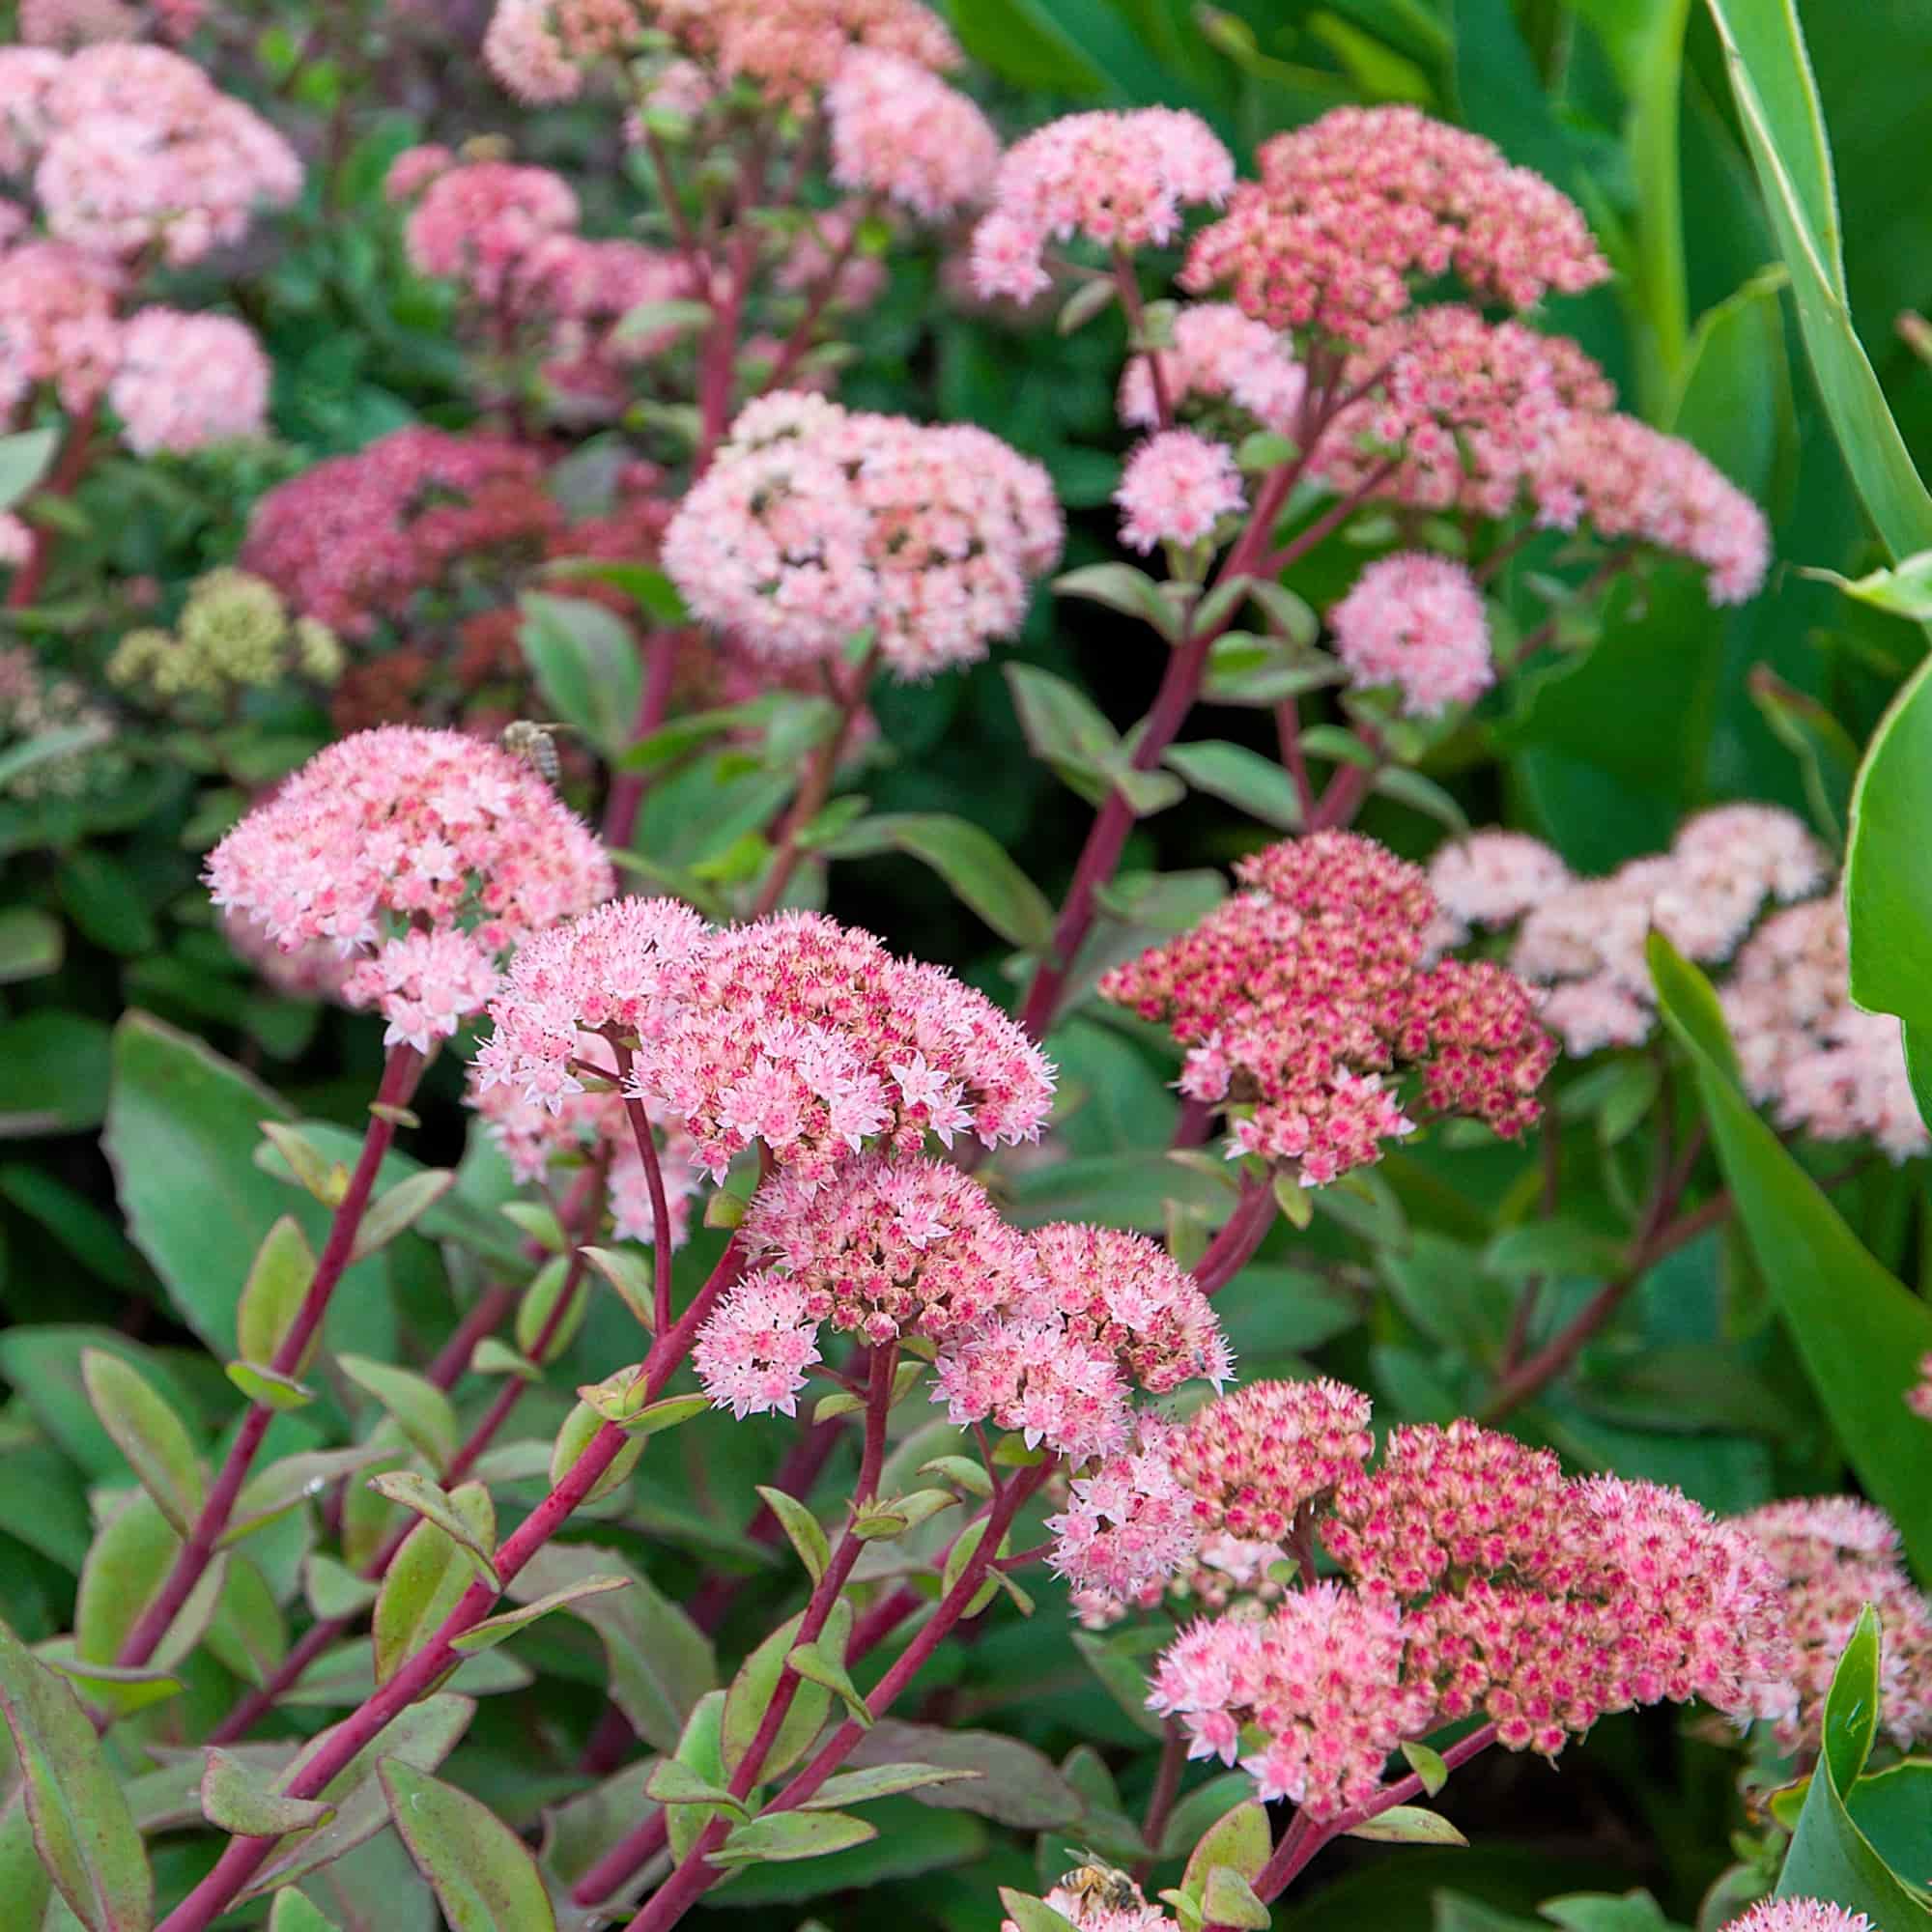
x: 1102, y: 1884
x: 528, y: 739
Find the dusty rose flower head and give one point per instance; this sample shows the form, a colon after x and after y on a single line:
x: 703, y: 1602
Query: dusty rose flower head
x: 1127, y: 1522
x: 618, y: 968
x: 1176, y: 487
x: 137, y: 149
x: 1353, y: 210
x: 1626, y: 480
x: 891, y: 1247
x: 1800, y: 1914
x: 1492, y: 878
x: 1832, y: 1556
x: 391, y: 837
x: 186, y: 380
x: 57, y: 323
x: 810, y: 1038
x: 898, y: 130
x: 1219, y: 354
x: 1120, y: 180
x: 1417, y: 622
x: 815, y: 524
x: 1300, y: 998
x: 1460, y: 414
x: 1253, y: 1459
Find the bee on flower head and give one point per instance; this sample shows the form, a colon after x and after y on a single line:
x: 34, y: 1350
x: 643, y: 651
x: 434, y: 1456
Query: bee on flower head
x: 1102, y: 1884
x: 531, y: 741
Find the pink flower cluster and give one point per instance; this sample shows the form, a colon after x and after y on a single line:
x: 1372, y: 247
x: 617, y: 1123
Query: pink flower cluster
x: 1629, y: 481
x: 77, y: 23
x: 1175, y: 488
x: 1128, y: 1523
x: 508, y: 236
x: 1800, y: 1914
x: 132, y: 147
x: 815, y: 524
x: 427, y: 852
x: 57, y: 323
x: 1477, y: 1578
x: 1824, y: 1065
x: 1832, y: 1556
x: 540, y: 49
x: 1295, y: 998
x: 1491, y: 879
x: 1253, y: 1460
x: 1353, y: 210
x: 1120, y: 180
x: 1586, y: 939
x: 1417, y: 621
x: 795, y: 1032
x: 898, y: 130
x: 1089, y: 1911
x: 186, y: 380
x: 1219, y: 354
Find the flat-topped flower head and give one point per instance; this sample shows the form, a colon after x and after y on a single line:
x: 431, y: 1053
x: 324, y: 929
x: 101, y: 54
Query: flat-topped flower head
x: 137, y: 149
x: 1303, y: 999
x: 1800, y: 1914
x: 1219, y: 355
x: 1417, y: 621
x: 1175, y: 488
x: 1353, y: 210
x: 1458, y: 413
x: 1625, y: 480
x: 898, y: 130
x: 392, y: 836
x: 752, y: 1353
x: 815, y: 524
x: 1042, y: 1378
x: 620, y: 967
x: 810, y: 1038
x: 1128, y: 1523
x: 1119, y: 180
x: 1320, y: 1677
x: 1832, y: 1556
x: 186, y: 380
x: 1490, y: 878
x: 1130, y: 1296
x: 1254, y: 1458
x: 891, y: 1247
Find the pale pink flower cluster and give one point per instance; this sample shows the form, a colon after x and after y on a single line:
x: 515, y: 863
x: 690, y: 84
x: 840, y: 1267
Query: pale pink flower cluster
x: 1127, y: 1524
x: 753, y: 1352
x: 392, y: 839
x: 1087, y: 1912
x: 1177, y: 486
x: 1800, y: 1915
x: 187, y: 380
x: 75, y: 23
x: 898, y: 130
x: 1490, y: 879
x: 540, y: 48
x: 57, y: 323
x: 1039, y: 1378
x: 1219, y: 354
x: 1629, y: 481
x: 1353, y: 210
x: 1299, y: 998
x: 1825, y: 1066
x: 1417, y: 621
x: 133, y: 147
x: 1460, y: 412
x: 476, y: 222
x: 815, y: 524
x: 1834, y: 1556
x: 1120, y: 180
x: 1585, y: 940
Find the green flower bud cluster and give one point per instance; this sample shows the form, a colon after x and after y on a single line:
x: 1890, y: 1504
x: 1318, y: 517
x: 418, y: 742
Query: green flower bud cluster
x: 234, y: 634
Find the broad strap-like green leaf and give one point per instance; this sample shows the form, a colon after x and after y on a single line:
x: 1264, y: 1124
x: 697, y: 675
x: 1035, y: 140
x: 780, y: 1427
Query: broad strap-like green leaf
x: 482, y: 1875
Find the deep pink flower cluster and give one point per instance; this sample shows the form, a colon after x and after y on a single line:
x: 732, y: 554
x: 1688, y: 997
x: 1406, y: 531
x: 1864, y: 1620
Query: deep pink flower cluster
x: 815, y: 524
x: 1458, y: 413
x: 1254, y: 1460
x: 1478, y: 1579
x: 427, y: 852
x: 1629, y: 481
x: 1417, y: 621
x: 1834, y: 1556
x: 898, y: 130
x: 1295, y: 998
x: 1219, y: 354
x: 540, y: 49
x: 1586, y: 939
x: 1120, y: 180
x: 132, y: 147
x: 185, y: 381
x: 1175, y: 488
x: 1826, y: 1067
x: 1353, y: 210
x: 508, y: 236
